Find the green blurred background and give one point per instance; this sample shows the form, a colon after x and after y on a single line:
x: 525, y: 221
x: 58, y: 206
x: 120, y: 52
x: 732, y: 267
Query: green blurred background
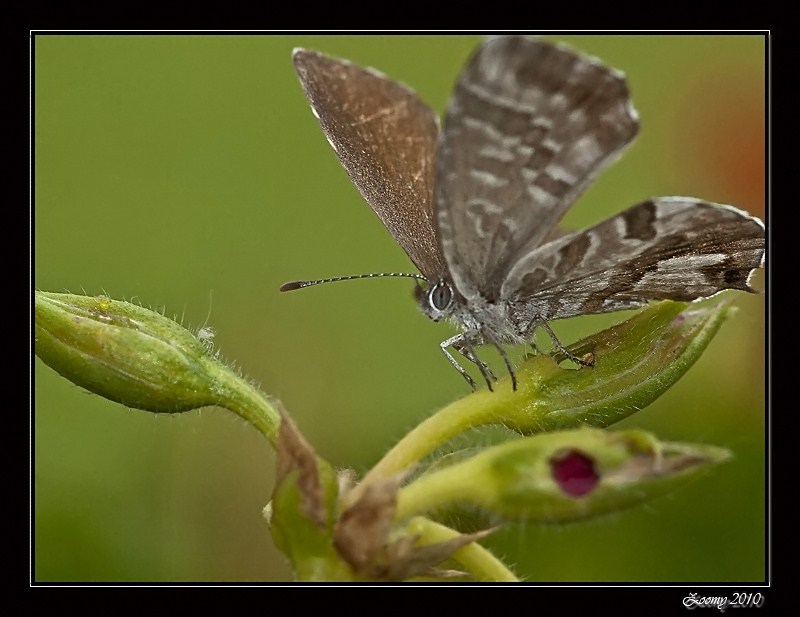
x: 188, y: 173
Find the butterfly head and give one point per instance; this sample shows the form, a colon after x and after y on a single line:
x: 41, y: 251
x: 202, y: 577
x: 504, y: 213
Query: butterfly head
x: 436, y: 300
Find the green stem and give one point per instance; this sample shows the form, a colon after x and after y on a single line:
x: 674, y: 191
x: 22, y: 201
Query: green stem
x: 473, y: 557
x: 471, y: 411
x: 439, y: 488
x: 244, y: 399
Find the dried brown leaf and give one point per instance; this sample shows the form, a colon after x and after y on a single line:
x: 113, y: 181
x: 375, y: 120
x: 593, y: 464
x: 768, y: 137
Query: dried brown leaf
x: 295, y: 454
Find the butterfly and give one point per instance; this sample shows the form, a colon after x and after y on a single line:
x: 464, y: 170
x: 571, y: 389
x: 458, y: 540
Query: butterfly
x: 475, y: 204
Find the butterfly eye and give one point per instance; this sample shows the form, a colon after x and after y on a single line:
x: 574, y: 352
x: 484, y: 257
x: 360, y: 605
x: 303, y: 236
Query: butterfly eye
x: 440, y: 296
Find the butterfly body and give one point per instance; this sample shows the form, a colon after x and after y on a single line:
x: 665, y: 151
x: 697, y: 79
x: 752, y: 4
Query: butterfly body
x: 475, y: 204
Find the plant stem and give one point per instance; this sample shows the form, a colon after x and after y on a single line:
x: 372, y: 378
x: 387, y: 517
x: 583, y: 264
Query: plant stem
x: 475, y: 558
x: 474, y: 410
x: 244, y: 399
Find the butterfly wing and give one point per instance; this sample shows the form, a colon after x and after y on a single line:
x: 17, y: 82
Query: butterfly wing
x: 385, y: 137
x: 529, y: 125
x: 670, y: 248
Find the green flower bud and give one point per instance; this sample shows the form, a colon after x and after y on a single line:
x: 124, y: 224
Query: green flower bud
x: 562, y: 476
x: 123, y: 352
x: 140, y: 358
x: 636, y: 361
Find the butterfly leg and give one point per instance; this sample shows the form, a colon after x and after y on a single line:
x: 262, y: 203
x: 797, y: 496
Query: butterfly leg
x: 561, y: 348
x: 452, y: 341
x: 463, y: 345
x: 536, y: 321
x: 505, y: 359
x: 469, y: 354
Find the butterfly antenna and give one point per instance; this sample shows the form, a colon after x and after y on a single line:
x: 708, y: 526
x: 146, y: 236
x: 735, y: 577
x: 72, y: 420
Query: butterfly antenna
x: 300, y: 284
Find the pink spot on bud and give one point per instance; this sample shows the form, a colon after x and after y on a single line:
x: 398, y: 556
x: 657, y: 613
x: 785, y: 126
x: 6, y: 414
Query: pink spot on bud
x: 574, y: 472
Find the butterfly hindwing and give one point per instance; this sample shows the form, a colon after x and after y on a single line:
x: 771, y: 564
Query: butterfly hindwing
x: 669, y: 248
x: 528, y: 127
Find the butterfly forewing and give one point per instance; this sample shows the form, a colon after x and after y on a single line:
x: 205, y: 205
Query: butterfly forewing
x: 670, y: 248
x: 385, y: 137
x: 529, y: 125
